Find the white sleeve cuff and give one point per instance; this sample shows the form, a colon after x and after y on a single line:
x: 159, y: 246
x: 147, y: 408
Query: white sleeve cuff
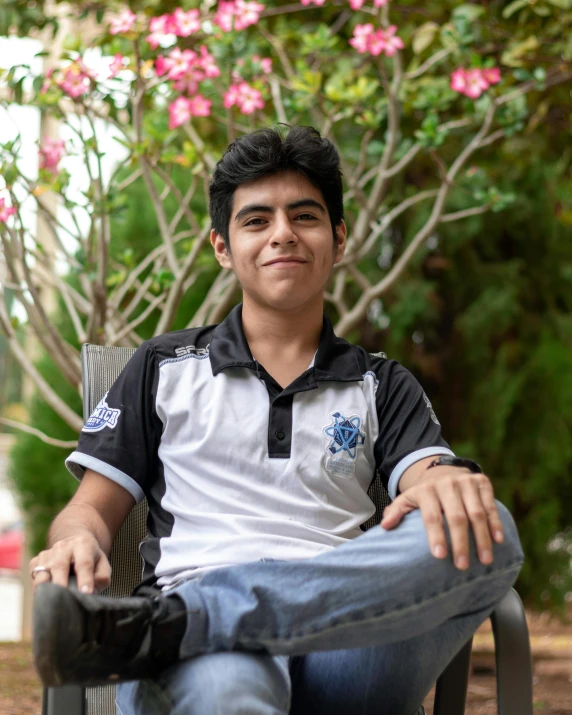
x: 78, y: 462
x: 407, y: 461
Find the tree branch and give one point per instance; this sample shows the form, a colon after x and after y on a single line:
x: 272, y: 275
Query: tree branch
x: 44, y: 437
x: 53, y: 399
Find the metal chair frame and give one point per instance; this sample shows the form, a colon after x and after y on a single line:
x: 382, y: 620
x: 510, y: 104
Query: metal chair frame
x: 100, y: 367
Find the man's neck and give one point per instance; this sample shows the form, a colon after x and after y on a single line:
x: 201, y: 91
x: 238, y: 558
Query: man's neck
x: 284, y: 342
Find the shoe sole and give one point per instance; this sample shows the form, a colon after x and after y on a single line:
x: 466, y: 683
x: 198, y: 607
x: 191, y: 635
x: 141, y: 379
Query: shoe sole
x: 55, y: 630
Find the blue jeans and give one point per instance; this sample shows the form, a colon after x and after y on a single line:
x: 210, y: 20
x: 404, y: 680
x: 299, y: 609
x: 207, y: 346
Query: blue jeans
x: 364, y: 628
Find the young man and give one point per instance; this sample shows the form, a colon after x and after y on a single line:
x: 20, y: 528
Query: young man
x: 255, y: 442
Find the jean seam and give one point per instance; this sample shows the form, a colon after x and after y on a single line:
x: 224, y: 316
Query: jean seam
x: 383, y: 616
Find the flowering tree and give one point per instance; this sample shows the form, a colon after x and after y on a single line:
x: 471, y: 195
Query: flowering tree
x: 392, y: 89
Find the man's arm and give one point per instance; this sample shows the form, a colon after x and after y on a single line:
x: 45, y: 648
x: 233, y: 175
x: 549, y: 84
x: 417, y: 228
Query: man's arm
x: 466, y: 499
x: 83, y: 532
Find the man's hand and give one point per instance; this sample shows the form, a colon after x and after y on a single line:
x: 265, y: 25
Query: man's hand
x: 465, y: 498
x: 90, y: 563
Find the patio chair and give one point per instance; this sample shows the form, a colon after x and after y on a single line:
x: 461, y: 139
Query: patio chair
x: 100, y: 367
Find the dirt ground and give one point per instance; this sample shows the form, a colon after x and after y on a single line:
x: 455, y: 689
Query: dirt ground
x: 20, y: 689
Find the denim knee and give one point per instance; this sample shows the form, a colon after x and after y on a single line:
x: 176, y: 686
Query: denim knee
x: 231, y: 683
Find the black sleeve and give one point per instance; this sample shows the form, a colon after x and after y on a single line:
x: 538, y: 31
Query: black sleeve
x: 408, y: 427
x: 121, y: 438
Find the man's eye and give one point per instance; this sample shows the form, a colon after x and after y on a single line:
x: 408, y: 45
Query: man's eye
x: 252, y: 221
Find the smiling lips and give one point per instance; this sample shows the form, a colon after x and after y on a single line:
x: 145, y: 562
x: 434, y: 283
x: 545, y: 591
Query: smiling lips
x: 285, y: 261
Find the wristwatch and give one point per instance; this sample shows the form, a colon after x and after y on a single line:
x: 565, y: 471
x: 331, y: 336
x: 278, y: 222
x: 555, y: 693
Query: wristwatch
x: 451, y: 461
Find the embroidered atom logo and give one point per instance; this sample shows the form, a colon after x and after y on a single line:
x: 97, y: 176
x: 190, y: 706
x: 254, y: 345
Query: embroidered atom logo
x: 345, y: 434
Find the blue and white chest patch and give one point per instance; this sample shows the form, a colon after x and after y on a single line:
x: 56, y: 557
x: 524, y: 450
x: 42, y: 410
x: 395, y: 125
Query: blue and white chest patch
x: 102, y: 416
x: 344, y: 437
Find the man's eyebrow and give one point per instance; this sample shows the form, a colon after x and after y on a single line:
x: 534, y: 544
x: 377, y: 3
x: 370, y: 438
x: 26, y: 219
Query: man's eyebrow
x: 262, y: 208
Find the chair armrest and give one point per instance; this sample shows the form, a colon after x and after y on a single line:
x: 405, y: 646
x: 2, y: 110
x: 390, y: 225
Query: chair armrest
x: 513, y: 657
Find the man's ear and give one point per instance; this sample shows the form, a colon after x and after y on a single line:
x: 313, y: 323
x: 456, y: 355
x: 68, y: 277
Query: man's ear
x: 341, y: 241
x: 220, y: 250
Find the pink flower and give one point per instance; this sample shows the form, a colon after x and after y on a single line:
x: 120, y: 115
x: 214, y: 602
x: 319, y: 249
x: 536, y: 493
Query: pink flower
x: 207, y: 62
x: 179, y: 112
x: 189, y: 82
x: 246, y: 13
x: 200, y: 107
x: 5, y: 211
x: 47, y: 81
x: 380, y: 3
x: 76, y: 81
x: 245, y: 97
x: 313, y: 2
x: 366, y: 40
x: 266, y: 64
x: 161, y: 28
x: 377, y: 43
x: 476, y: 83
x: 393, y: 42
x: 360, y: 40
x: 231, y: 96
x: 225, y: 14
x: 177, y: 64
x: 473, y: 82
x: 491, y: 75
x: 117, y: 64
x: 51, y: 153
x: 185, y: 23
x: 356, y: 4
x: 122, y: 23
x: 458, y: 81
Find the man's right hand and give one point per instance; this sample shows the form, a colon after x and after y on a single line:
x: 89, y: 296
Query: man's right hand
x: 91, y: 565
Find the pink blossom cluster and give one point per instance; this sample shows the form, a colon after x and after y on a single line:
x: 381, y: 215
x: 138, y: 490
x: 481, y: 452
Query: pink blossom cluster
x: 354, y: 4
x: 473, y: 82
x: 51, y: 153
x: 183, y: 108
x: 187, y: 68
x: 123, y: 23
x: 248, y: 99
x: 376, y: 42
x: 5, y: 211
x: 241, y: 13
x: 117, y: 64
x: 357, y: 4
x: 179, y: 23
x: 265, y: 64
x: 74, y: 80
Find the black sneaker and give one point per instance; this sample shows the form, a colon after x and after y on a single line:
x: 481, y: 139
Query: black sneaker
x: 96, y: 640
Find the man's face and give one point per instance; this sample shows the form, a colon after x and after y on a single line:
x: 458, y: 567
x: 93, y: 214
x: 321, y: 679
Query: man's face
x: 281, y: 245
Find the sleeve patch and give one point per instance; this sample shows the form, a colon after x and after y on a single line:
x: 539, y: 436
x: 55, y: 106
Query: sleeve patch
x: 431, y: 410
x: 102, y: 416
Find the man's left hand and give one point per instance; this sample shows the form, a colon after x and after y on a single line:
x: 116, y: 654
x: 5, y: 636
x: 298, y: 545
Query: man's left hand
x: 465, y: 498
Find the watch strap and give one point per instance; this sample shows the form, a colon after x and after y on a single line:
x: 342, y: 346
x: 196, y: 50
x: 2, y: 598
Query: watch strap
x: 451, y: 461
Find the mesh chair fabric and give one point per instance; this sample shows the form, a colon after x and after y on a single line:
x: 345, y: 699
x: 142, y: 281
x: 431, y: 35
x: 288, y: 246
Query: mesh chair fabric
x: 101, y: 366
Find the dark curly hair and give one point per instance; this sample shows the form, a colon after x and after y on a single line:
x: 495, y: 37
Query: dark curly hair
x: 265, y: 152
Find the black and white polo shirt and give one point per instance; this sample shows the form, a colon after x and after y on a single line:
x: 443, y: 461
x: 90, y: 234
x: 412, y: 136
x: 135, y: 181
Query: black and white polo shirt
x: 237, y: 469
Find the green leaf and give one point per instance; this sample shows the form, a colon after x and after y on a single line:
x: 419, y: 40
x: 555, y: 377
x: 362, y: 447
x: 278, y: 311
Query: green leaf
x: 424, y: 36
x: 468, y: 11
x: 514, y: 6
x: 562, y: 4
x: 513, y: 56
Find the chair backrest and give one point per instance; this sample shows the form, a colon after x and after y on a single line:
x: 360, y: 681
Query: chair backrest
x: 101, y: 366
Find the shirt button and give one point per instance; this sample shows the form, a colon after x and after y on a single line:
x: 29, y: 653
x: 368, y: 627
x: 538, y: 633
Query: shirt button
x: 279, y: 434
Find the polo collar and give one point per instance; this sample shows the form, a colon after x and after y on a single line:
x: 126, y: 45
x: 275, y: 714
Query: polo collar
x: 336, y: 359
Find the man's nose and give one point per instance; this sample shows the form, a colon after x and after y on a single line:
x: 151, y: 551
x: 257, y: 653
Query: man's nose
x: 283, y: 232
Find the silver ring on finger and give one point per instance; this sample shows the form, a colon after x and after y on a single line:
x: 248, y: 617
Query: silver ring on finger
x: 39, y: 569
